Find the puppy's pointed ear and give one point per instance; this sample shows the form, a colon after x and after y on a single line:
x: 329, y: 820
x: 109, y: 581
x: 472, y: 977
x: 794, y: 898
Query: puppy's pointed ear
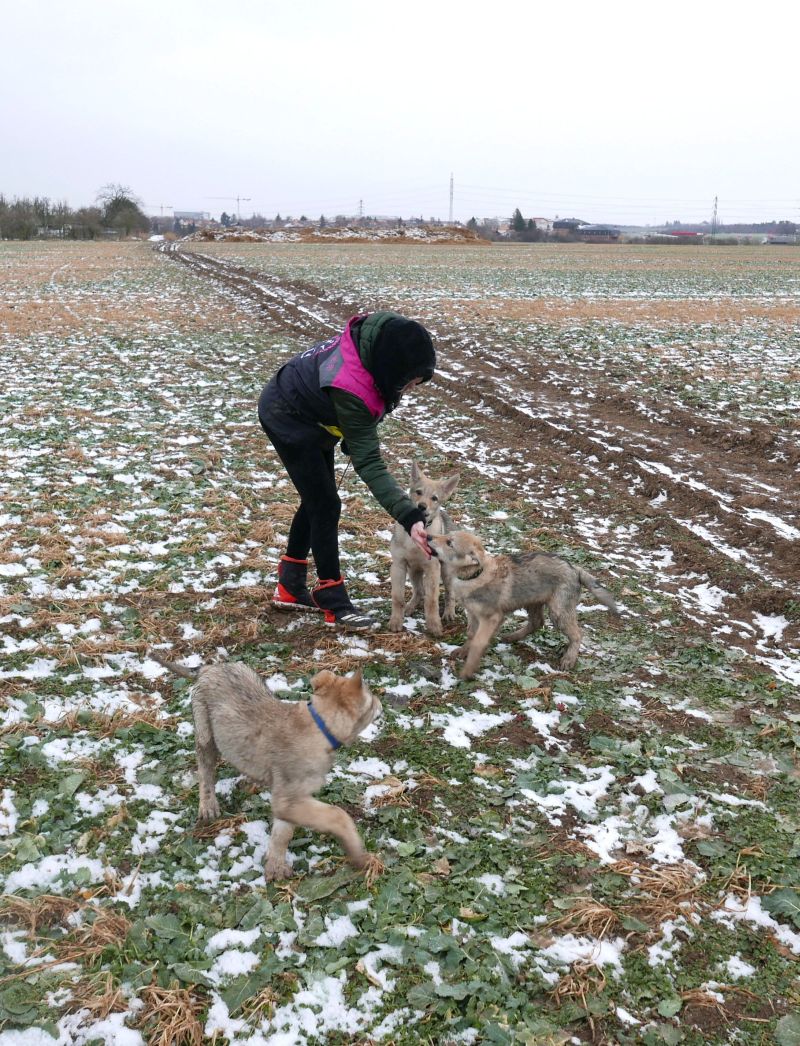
x: 450, y: 484
x: 358, y: 677
x: 414, y: 472
x: 323, y: 678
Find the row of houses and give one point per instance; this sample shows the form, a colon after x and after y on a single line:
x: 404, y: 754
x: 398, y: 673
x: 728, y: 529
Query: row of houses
x: 566, y: 229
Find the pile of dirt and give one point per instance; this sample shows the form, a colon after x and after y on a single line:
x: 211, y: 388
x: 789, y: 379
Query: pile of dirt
x: 233, y: 236
x: 411, y: 234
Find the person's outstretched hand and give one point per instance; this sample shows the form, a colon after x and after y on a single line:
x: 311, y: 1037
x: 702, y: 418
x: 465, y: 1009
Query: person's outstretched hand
x: 419, y: 537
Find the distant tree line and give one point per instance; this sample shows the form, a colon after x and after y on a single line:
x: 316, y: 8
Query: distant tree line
x: 775, y: 227
x: 117, y: 213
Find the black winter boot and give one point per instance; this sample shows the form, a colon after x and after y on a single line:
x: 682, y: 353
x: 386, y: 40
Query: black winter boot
x: 291, y: 592
x: 332, y: 598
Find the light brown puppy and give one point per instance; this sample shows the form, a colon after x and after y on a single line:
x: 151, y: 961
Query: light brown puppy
x: 490, y: 587
x: 429, y: 495
x: 281, y: 746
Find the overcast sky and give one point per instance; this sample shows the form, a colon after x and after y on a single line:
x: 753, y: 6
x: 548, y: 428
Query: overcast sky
x: 608, y: 111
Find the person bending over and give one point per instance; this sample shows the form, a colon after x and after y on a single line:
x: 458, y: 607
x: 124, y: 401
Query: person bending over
x: 341, y: 389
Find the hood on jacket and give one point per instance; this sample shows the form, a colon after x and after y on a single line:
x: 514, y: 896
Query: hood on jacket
x: 395, y: 351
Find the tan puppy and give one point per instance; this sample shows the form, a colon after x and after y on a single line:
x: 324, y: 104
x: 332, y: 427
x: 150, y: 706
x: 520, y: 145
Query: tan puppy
x: 490, y: 587
x: 280, y: 745
x: 429, y: 495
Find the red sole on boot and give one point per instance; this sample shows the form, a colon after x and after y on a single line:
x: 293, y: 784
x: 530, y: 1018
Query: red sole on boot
x: 284, y: 600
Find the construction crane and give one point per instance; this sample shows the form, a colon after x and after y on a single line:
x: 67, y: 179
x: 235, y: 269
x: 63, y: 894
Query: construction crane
x: 244, y: 199
x: 161, y: 205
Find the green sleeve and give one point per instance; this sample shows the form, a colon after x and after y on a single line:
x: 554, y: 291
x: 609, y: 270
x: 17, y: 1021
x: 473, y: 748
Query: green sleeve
x: 360, y: 432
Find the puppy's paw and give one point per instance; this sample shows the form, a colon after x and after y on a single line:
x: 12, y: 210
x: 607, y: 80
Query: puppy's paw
x: 466, y: 673
x: 276, y: 870
x: 449, y: 616
x: 395, y: 625
x: 208, y: 812
x: 433, y: 628
x: 371, y: 865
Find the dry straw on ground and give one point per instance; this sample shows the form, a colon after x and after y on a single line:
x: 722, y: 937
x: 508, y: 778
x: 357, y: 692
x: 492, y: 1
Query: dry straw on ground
x: 171, y: 1016
x: 586, y: 916
x: 663, y: 891
x: 99, y: 995
x: 42, y: 911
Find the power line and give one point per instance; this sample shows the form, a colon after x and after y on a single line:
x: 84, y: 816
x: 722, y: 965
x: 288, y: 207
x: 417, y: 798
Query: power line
x: 638, y: 199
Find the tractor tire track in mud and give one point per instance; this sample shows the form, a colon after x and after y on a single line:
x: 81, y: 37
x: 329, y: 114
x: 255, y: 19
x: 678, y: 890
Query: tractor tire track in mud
x: 723, y: 497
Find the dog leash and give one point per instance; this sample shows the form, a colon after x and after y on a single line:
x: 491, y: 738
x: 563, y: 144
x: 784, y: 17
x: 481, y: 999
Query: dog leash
x: 341, y: 478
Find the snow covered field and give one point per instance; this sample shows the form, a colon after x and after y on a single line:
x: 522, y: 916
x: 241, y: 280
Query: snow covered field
x: 605, y: 856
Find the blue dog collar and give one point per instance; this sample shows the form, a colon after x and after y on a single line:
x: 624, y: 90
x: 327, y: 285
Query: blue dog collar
x: 321, y: 724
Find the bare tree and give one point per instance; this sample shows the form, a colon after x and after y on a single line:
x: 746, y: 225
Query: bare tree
x: 122, y: 210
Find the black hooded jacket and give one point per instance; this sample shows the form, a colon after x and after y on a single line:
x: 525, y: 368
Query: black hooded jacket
x: 395, y: 351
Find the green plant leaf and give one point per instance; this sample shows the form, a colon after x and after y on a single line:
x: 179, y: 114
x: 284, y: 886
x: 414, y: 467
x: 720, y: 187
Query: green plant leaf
x: 669, y: 1007
x: 783, y: 902
x: 635, y: 925
x: 710, y: 847
x: 452, y: 991
x: 190, y: 975
x: 787, y: 1030
x: 70, y: 784
x: 245, y: 987
x: 166, y: 926
x: 315, y: 887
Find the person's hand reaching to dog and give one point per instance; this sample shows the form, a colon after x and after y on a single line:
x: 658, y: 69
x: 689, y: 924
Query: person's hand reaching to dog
x: 419, y: 537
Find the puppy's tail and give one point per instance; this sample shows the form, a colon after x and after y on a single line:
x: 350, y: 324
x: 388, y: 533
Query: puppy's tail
x: 174, y: 667
x: 600, y: 594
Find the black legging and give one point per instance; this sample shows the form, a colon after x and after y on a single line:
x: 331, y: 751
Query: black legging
x: 315, y: 526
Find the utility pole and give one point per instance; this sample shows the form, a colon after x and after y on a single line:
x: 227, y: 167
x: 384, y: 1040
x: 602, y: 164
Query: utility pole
x: 451, y: 198
x: 239, y: 200
x: 714, y: 220
x: 360, y: 209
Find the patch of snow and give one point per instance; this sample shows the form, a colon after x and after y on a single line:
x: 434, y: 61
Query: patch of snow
x: 460, y: 727
x: 512, y: 946
x: 569, y: 949
x: 337, y: 930
x: 493, y: 883
x: 737, y: 968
